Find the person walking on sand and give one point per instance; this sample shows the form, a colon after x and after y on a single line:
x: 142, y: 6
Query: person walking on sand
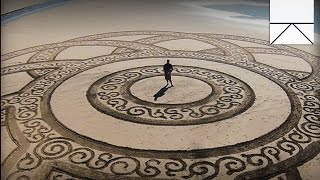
x: 167, y: 68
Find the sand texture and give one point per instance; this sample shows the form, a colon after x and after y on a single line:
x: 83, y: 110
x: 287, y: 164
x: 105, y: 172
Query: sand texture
x: 83, y: 95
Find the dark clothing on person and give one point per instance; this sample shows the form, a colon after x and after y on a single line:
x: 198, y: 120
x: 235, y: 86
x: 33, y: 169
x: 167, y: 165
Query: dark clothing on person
x: 167, y: 76
x: 167, y: 68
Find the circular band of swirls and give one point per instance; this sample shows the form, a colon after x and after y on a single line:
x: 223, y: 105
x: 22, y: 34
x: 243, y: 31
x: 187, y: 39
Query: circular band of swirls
x: 276, y: 76
x: 301, y: 126
x: 229, y: 96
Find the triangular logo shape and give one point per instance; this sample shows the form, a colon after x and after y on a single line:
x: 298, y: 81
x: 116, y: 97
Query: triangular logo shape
x: 292, y: 35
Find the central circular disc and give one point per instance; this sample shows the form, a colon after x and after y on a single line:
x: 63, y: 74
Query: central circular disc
x: 185, y: 90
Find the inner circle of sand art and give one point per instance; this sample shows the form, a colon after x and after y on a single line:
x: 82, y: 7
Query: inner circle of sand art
x: 153, y: 90
x: 43, y: 138
x: 228, y: 97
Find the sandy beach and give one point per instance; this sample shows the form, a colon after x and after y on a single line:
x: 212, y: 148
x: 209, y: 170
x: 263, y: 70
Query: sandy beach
x: 83, y: 93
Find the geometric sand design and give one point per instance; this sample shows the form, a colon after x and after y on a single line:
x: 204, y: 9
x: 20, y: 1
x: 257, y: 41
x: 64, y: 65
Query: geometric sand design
x: 93, y: 119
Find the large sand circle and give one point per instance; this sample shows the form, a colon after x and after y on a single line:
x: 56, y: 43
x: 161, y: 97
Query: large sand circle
x: 262, y: 115
x: 229, y: 96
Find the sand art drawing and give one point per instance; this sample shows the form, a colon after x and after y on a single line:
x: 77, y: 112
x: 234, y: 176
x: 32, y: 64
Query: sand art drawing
x: 107, y: 125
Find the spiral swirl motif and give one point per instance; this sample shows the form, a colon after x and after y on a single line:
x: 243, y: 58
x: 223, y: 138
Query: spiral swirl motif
x: 229, y: 96
x: 43, y: 120
x: 53, y: 148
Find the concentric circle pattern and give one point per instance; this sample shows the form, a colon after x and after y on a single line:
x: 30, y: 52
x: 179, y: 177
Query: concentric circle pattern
x: 228, y: 97
x: 231, y: 115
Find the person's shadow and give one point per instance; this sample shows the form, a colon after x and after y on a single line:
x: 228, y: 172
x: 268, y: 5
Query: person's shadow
x: 161, y: 92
